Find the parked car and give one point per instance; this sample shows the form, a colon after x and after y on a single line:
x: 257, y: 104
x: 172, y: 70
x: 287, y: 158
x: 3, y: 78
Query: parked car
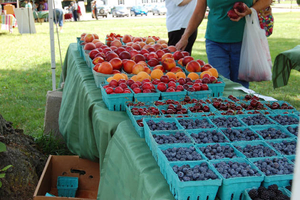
x: 149, y: 7
x: 138, y: 10
x: 103, y: 10
x: 159, y: 9
x: 120, y: 11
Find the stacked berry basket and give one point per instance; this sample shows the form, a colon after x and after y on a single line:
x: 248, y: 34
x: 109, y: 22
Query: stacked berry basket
x: 224, y: 152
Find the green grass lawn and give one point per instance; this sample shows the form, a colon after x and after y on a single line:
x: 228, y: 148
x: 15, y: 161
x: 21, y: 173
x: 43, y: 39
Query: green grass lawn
x: 25, y: 71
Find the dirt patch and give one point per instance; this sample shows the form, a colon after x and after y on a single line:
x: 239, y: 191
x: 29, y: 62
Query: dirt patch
x: 27, y: 161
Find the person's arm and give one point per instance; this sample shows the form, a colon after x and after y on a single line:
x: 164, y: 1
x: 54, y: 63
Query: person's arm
x: 184, y: 2
x: 259, y: 5
x: 194, y: 22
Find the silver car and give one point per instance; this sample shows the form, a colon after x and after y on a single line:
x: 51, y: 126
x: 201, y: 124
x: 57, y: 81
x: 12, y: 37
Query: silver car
x: 159, y: 9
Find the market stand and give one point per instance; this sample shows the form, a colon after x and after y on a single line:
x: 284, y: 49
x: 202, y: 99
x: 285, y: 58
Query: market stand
x: 128, y: 170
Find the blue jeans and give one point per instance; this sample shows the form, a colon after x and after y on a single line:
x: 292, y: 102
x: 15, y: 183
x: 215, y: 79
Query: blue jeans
x: 58, y: 16
x: 225, y: 57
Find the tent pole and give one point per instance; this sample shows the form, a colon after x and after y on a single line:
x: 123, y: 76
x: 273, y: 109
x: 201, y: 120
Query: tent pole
x: 52, y: 47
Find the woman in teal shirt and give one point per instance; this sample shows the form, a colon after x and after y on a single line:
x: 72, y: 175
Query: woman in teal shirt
x: 223, y: 35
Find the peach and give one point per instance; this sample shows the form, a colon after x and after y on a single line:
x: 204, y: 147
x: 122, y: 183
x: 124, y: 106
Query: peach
x: 168, y: 63
x: 161, y: 41
x: 129, y: 44
x: 143, y: 63
x: 160, y: 53
x: 113, y: 48
x: 115, y: 71
x: 98, y: 44
x: 193, y: 66
x: 138, y: 57
x: 149, y: 40
x: 125, y: 55
x: 116, y: 43
x: 95, y: 41
x: 89, y: 46
x: 116, y: 63
x: 153, y: 62
x: 157, y: 47
x: 137, y: 68
x: 206, y: 67
x: 93, y: 53
x: 176, y: 69
x: 152, y: 55
x: 180, y: 61
x: 142, y: 44
x: 98, y: 59
x: 159, y: 67
x: 133, y: 53
x: 186, y: 60
x: 147, y: 69
x: 127, y: 38
x: 111, y: 55
x: 137, y: 39
x: 172, y: 48
x: 88, y: 38
x: 177, y: 55
x: 119, y: 50
x: 166, y: 55
x: 128, y: 48
x: 95, y: 36
x: 143, y: 51
x: 128, y: 65
x: 164, y: 46
x: 136, y: 46
x: 151, y: 49
x: 201, y: 62
x: 105, y: 68
x: 146, y: 46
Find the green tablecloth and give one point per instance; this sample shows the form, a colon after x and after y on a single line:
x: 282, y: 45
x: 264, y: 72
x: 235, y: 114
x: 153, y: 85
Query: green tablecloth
x: 283, y: 64
x: 128, y: 170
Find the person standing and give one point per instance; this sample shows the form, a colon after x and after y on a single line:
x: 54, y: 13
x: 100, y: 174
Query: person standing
x: 178, y: 15
x: 28, y: 4
x: 45, y: 5
x: 74, y: 11
x: 223, y: 35
x: 94, y: 9
x: 58, y: 14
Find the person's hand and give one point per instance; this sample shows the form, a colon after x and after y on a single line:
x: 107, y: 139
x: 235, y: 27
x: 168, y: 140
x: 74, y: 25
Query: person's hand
x: 181, y: 44
x: 241, y: 15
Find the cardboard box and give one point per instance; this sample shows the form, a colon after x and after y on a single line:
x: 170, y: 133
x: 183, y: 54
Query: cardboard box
x: 88, y: 173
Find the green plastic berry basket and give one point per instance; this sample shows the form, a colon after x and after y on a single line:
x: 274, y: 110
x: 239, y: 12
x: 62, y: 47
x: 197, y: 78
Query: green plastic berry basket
x: 236, y: 152
x: 247, y: 197
x: 233, y: 188
x: 87, y: 58
x: 292, y: 126
x: 243, y: 144
x: 208, y: 130
x: 163, y: 161
x: 280, y: 180
x: 100, y: 78
x: 212, y: 111
x: 287, y: 134
x: 293, y: 116
x: 257, y: 136
x: 115, y: 102
x: 203, y: 119
x: 268, y: 120
x: 200, y: 94
x: 146, y: 97
x: 79, y: 48
x: 269, y: 103
x: 289, y: 140
x: 67, y: 186
x: 148, y: 132
x: 179, y: 96
x: 155, y: 146
x: 217, y: 88
x: 164, y: 107
x: 192, y: 190
x: 239, y: 123
x: 139, y: 129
